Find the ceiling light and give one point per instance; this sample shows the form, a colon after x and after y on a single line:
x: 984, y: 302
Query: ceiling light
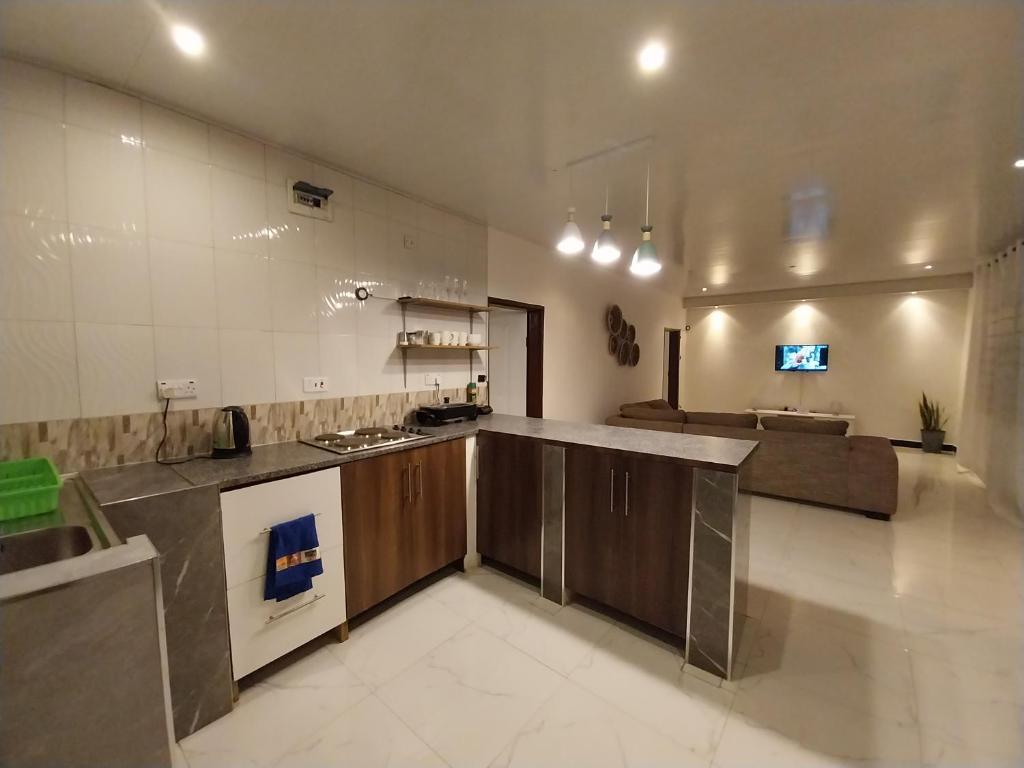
x: 1019, y: 162
x: 190, y: 42
x: 927, y: 266
x: 571, y: 241
x: 704, y: 289
x: 652, y: 56
x: 645, y: 259
x: 606, y: 250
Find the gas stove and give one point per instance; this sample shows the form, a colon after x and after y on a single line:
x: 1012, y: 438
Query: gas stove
x: 364, y: 438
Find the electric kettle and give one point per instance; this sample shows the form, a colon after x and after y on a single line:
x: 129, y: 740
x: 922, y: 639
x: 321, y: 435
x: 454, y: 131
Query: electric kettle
x: 230, y: 433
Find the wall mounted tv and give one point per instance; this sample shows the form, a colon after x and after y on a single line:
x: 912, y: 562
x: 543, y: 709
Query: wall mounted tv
x: 801, y: 357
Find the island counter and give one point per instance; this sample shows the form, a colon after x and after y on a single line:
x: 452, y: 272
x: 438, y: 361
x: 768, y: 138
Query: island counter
x: 648, y: 523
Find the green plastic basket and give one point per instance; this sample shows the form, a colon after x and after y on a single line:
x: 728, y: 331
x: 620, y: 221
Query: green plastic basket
x: 28, y: 487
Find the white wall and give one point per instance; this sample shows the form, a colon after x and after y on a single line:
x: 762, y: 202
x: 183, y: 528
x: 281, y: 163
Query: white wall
x: 582, y: 382
x: 884, y: 350
x: 506, y: 365
x: 138, y: 243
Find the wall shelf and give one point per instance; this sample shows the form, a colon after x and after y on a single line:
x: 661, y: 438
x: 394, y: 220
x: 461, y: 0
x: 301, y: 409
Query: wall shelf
x: 418, y: 301
x: 451, y: 306
x: 450, y: 347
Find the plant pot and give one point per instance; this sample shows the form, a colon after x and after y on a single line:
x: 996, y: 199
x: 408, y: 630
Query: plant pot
x: 932, y: 440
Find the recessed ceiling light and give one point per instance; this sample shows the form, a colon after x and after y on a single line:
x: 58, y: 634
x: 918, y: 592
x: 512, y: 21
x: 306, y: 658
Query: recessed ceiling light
x: 704, y: 289
x: 1019, y: 162
x: 927, y: 266
x: 188, y: 40
x: 652, y: 56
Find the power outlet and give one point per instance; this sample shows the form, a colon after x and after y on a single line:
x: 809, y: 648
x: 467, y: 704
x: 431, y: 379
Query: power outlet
x: 430, y: 379
x: 314, y: 384
x: 176, y: 389
x: 410, y: 242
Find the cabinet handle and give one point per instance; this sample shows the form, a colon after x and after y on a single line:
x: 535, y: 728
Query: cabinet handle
x: 627, y: 494
x: 408, y: 481
x: 419, y: 479
x: 292, y: 610
x: 611, y: 493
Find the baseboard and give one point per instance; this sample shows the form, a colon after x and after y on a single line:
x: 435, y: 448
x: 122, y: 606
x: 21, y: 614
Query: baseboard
x: 946, y: 447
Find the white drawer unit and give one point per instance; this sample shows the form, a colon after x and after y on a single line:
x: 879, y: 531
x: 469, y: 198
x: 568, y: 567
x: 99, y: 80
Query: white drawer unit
x: 249, y: 512
x: 263, y: 630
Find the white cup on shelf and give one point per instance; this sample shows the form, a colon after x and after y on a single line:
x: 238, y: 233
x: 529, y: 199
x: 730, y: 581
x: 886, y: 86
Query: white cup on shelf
x: 435, y: 338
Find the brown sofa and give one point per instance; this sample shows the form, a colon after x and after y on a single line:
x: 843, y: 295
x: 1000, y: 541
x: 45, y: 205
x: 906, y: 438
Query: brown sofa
x: 796, y: 459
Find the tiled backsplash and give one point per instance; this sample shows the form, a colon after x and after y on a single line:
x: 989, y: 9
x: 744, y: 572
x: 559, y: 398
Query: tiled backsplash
x: 137, y: 243
x: 77, y: 444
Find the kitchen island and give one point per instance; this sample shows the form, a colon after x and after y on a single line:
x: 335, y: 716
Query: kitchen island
x: 650, y: 524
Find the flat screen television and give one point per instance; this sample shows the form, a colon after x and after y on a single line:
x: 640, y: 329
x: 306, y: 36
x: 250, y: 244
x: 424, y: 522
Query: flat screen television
x: 801, y: 357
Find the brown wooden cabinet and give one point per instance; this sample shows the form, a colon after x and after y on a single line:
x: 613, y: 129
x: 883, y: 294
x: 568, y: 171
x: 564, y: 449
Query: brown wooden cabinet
x: 627, y: 526
x: 509, y: 497
x: 404, y: 516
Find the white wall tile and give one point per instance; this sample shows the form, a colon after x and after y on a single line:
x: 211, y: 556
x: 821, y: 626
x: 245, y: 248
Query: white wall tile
x: 92, y: 106
x: 109, y: 277
x: 26, y: 88
x: 38, y: 377
x: 239, y: 212
x: 379, y: 365
x: 432, y: 219
x: 296, y: 355
x: 369, y: 197
x: 190, y: 353
x: 35, y: 270
x: 371, y: 246
x: 402, y: 209
x: 116, y: 369
x: 290, y: 236
x: 173, y: 132
x: 382, y: 319
x: 178, y: 198
x: 238, y: 153
x: 338, y: 362
x: 282, y: 166
x: 32, y: 164
x: 246, y: 367
x: 337, y: 307
x: 294, y: 295
x: 243, y: 291
x: 183, y: 284
x: 402, y: 262
x: 341, y: 184
x: 334, y: 241
x: 105, y: 181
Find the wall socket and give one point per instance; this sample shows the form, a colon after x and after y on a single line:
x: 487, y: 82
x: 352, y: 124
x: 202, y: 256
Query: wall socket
x: 409, y: 242
x: 175, y: 389
x: 314, y: 384
x: 430, y: 379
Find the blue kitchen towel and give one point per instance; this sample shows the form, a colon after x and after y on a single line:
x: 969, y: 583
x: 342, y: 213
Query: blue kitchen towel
x: 293, y: 558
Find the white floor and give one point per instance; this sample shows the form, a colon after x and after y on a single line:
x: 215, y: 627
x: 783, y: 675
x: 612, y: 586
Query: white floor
x: 869, y: 643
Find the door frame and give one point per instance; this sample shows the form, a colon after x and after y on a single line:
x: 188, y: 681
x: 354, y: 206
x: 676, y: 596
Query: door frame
x: 534, y: 352
x: 666, y: 383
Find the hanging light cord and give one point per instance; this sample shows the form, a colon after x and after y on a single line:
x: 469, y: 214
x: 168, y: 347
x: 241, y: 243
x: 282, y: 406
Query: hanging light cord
x: 647, y: 205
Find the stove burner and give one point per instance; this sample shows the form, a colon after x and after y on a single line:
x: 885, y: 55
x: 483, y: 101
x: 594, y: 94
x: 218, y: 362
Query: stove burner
x: 360, y: 439
x: 374, y: 431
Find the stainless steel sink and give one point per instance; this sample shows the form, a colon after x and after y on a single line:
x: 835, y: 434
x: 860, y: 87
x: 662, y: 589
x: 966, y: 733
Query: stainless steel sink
x: 46, y: 545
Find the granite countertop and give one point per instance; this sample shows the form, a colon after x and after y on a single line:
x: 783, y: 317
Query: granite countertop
x: 695, y: 450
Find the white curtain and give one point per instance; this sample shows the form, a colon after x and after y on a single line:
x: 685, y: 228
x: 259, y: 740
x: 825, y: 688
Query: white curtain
x: 992, y: 435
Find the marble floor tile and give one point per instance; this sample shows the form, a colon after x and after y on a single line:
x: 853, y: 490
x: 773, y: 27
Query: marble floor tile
x: 469, y: 696
x: 367, y: 736
x: 388, y: 643
x: 576, y: 728
x: 484, y: 595
x: 941, y: 750
x: 644, y: 678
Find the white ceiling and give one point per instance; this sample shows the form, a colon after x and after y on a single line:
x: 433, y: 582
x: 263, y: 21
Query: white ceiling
x: 909, y: 114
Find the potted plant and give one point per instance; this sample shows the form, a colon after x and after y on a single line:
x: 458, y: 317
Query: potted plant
x: 933, y: 425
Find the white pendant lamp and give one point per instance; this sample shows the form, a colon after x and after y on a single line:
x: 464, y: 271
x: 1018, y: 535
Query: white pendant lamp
x: 606, y: 250
x: 571, y: 241
x: 645, y: 259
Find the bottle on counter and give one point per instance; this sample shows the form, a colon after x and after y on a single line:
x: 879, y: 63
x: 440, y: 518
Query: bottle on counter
x: 471, y: 392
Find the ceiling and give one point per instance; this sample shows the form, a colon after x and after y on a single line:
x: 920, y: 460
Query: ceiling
x: 907, y: 115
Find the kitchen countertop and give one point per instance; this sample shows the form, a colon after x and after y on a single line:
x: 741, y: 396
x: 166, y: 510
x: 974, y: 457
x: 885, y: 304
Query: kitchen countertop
x: 718, y: 453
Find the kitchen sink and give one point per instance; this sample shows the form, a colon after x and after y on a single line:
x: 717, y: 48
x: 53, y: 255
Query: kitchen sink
x: 46, y: 545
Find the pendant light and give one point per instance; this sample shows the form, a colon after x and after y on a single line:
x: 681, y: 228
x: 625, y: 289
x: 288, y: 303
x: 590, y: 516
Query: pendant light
x: 606, y: 250
x: 645, y: 259
x: 571, y: 241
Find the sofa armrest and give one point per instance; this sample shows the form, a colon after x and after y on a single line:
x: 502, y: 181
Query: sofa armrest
x: 873, y: 483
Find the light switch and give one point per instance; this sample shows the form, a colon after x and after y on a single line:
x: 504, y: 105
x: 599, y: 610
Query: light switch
x: 314, y: 384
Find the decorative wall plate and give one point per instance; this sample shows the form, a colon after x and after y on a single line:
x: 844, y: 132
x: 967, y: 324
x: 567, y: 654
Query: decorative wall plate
x: 625, y: 350
x: 634, y: 355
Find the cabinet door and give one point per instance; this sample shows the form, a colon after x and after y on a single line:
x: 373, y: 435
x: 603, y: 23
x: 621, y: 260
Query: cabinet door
x: 598, y: 551
x: 659, y: 497
x: 437, y: 518
x: 375, y: 493
x: 509, y: 489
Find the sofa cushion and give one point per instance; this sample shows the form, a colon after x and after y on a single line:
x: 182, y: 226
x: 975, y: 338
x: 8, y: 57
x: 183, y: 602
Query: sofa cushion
x: 658, y: 403
x: 743, y: 420
x: 657, y: 414
x: 805, y: 424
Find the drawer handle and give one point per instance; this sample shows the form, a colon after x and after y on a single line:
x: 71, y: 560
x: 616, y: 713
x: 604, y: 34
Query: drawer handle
x: 315, y: 514
x: 292, y: 610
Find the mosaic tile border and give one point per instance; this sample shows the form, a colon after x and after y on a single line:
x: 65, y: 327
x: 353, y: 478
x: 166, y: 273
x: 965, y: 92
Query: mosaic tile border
x: 78, y: 444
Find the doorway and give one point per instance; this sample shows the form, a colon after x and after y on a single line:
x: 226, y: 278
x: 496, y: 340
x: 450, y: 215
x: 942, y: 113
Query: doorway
x: 515, y: 368
x: 673, y: 356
